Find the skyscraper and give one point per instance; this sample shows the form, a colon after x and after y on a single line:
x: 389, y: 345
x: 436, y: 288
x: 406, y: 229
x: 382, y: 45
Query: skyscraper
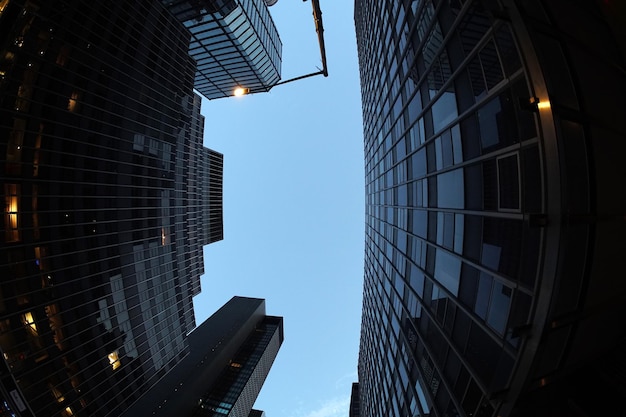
x: 494, y: 225
x: 108, y: 197
x: 230, y: 355
x: 355, y: 401
x: 234, y: 43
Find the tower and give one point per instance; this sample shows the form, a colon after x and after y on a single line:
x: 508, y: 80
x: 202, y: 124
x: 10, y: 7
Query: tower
x: 109, y: 196
x: 230, y: 355
x: 491, y: 162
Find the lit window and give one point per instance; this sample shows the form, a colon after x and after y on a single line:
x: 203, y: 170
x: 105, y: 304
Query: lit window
x: 3, y: 5
x: 29, y: 321
x: 58, y: 395
x: 72, y: 104
x: 68, y: 412
x: 114, y: 360
x: 11, y: 200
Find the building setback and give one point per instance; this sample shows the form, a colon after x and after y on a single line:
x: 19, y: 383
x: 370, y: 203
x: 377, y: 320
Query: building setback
x: 230, y: 355
x: 108, y: 198
x: 493, y: 140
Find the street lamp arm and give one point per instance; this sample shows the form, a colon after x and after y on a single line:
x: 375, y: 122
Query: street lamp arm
x: 319, y: 28
x: 313, y: 74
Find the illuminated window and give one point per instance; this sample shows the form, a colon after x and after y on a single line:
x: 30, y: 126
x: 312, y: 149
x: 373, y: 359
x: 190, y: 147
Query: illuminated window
x: 11, y: 199
x: 29, y: 321
x: 3, y: 5
x: 58, y: 395
x: 72, y: 104
x: 114, y: 360
x: 68, y: 412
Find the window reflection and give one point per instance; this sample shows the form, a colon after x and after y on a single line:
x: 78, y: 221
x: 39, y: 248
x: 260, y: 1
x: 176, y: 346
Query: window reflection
x: 482, y: 294
x: 488, y: 120
x: 448, y: 271
x: 508, y: 183
x: 499, y: 307
x: 444, y: 110
x: 450, y: 189
x: 491, y: 65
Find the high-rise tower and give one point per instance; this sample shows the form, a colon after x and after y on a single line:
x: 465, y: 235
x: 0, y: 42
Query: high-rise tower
x: 108, y: 198
x: 494, y: 236
x: 230, y: 355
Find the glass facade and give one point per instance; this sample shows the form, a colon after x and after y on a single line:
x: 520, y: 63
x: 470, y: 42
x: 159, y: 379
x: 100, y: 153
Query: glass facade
x: 234, y: 43
x: 482, y: 138
x: 230, y: 355
x: 109, y: 196
x: 239, y: 384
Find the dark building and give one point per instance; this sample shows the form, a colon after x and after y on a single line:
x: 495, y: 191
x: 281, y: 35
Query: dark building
x: 234, y: 43
x: 108, y: 198
x: 355, y: 401
x: 494, y: 145
x: 230, y: 355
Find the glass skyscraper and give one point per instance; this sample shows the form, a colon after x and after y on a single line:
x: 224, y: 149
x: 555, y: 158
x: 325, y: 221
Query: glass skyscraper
x: 108, y: 198
x: 229, y: 358
x: 493, y: 148
x: 234, y: 43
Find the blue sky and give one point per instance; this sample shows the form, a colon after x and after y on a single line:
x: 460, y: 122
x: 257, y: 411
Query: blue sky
x: 294, y: 212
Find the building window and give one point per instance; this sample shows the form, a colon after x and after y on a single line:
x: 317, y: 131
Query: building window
x: 29, y: 323
x: 114, y: 360
x: 508, y: 183
x: 11, y: 212
x: 72, y: 104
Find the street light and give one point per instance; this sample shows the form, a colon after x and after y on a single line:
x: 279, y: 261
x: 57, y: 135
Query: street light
x: 319, y: 28
x: 240, y: 91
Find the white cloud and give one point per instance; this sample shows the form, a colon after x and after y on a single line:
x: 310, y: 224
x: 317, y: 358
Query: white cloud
x: 336, y: 407
x: 345, y: 381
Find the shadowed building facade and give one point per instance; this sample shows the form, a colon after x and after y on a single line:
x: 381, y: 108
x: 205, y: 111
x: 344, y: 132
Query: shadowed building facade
x: 108, y: 198
x: 494, y: 145
x: 230, y: 356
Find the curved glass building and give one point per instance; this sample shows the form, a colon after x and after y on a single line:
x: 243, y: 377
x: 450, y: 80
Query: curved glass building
x: 494, y: 139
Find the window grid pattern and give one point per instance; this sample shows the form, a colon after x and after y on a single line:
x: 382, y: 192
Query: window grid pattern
x: 234, y: 43
x: 240, y: 383
x: 447, y: 146
x: 102, y: 133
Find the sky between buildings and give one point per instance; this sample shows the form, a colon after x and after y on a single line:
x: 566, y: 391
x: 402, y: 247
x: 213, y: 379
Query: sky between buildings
x: 294, y: 212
